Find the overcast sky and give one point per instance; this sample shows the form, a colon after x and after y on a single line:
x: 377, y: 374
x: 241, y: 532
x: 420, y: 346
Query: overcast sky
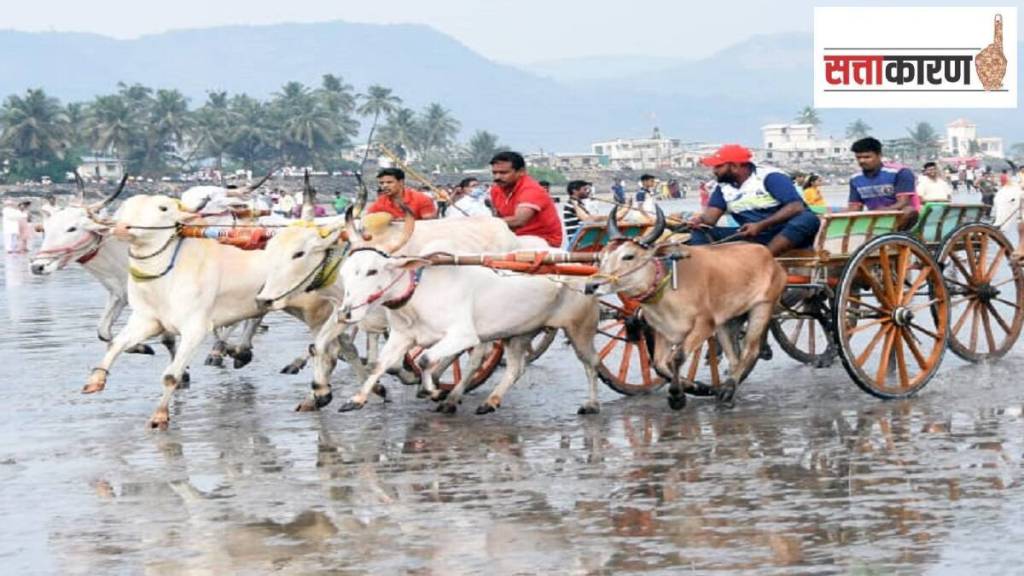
x: 518, y: 32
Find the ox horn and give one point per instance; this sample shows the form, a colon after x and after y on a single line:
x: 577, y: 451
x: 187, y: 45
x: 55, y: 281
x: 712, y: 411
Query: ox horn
x: 308, y: 199
x: 363, y: 193
x: 408, y: 225
x: 106, y: 201
x: 656, y: 231
x: 253, y: 188
x: 81, y: 188
x: 613, y: 226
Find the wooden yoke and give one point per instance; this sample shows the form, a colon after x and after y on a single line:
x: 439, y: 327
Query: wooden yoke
x: 527, y: 262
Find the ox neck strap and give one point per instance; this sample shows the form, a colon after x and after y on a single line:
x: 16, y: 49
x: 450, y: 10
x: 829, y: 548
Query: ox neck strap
x: 158, y: 251
x: 414, y: 281
x: 654, y: 294
x: 85, y: 258
x: 140, y: 276
x: 327, y: 271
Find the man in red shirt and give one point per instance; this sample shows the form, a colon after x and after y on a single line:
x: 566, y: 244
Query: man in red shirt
x: 520, y: 201
x: 391, y: 182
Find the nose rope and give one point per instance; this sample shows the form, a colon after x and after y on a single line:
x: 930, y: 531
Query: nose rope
x: 65, y: 252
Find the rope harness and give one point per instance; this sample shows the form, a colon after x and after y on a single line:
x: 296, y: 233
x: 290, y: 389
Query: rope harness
x: 140, y: 276
x: 65, y: 252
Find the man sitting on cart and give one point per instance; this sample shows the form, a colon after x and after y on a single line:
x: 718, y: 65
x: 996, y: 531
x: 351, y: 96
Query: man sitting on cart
x: 882, y: 187
x: 520, y: 201
x: 762, y: 200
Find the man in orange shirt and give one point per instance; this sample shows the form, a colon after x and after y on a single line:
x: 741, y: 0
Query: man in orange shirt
x: 520, y: 201
x: 391, y: 182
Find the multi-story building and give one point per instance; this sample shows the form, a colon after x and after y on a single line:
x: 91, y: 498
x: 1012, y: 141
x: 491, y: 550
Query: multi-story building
x: 795, y: 142
x: 962, y: 140
x: 651, y: 153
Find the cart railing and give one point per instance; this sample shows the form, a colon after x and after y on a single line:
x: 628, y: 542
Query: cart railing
x: 525, y: 261
x: 937, y: 220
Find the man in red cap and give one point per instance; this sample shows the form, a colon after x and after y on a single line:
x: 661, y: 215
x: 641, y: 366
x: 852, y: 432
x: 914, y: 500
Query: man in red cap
x: 762, y: 200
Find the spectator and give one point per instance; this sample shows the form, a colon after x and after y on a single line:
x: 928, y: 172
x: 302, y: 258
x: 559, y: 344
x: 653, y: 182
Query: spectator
x: 463, y: 203
x: 579, y: 208
x: 812, y: 193
x: 932, y: 187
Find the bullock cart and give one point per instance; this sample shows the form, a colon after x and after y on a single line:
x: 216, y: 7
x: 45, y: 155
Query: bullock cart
x: 864, y: 293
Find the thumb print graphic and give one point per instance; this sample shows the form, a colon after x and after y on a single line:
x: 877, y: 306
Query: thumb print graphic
x: 991, y: 61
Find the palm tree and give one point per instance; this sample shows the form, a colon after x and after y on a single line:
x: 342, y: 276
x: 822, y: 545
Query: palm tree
x: 808, y: 116
x: 439, y: 127
x: 308, y: 132
x: 857, y: 129
x: 377, y: 100
x: 110, y: 126
x: 76, y: 113
x: 924, y: 140
x: 249, y: 138
x: 169, y: 124
x: 211, y: 126
x: 35, y: 128
x: 336, y: 94
x: 402, y: 132
x: 481, y: 148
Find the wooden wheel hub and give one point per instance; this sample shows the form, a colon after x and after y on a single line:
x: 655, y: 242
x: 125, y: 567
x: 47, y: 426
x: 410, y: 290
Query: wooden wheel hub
x: 902, y: 316
x: 986, y: 292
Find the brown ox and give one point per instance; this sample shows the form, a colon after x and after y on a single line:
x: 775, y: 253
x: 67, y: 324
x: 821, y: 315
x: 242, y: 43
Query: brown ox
x: 713, y: 285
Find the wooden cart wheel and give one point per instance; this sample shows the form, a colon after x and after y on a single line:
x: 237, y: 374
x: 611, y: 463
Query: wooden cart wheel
x: 804, y: 330
x: 986, y: 292
x: 626, y: 353
x: 540, y: 344
x: 892, y: 316
x: 449, y: 373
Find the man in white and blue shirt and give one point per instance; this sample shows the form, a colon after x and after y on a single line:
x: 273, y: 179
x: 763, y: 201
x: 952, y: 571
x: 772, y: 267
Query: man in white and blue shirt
x: 762, y: 200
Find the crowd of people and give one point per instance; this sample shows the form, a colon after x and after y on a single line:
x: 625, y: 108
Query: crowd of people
x: 765, y: 204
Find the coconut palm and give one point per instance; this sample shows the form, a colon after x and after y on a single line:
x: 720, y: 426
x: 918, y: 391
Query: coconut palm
x: 35, y: 127
x: 439, y: 128
x: 211, y: 126
x: 110, y: 126
x: 924, y: 140
x: 378, y: 100
x: 481, y: 148
x: 857, y: 129
x: 169, y: 125
x: 336, y: 94
x: 250, y: 139
x: 402, y: 132
x: 808, y: 115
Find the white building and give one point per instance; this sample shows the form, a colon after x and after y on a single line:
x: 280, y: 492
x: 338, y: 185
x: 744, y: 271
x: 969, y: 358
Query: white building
x: 960, y: 133
x: 794, y: 142
x: 101, y: 168
x: 639, y: 153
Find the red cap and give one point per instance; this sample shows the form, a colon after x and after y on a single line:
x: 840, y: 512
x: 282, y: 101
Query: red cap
x: 728, y: 153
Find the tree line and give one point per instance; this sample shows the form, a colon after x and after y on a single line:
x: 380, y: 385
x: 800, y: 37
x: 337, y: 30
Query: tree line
x: 155, y: 132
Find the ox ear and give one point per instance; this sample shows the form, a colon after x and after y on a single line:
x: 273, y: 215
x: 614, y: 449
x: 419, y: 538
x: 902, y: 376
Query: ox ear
x: 410, y: 263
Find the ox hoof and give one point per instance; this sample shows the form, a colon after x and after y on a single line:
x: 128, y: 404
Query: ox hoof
x: 589, y: 408
x: 186, y: 378
x: 105, y: 338
x: 726, y: 394
x: 700, y: 389
x: 381, y: 391
x: 213, y: 360
x: 766, y: 352
x: 439, y: 395
x: 485, y: 408
x: 421, y: 393
x: 293, y: 368
x: 93, y: 387
x: 159, y: 421
x: 351, y: 406
x: 144, y: 349
x: 183, y: 384
x: 677, y: 402
x: 242, y: 358
x: 447, y: 407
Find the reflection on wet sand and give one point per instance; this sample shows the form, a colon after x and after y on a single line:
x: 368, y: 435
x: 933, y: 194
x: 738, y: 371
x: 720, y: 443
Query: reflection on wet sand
x: 805, y: 475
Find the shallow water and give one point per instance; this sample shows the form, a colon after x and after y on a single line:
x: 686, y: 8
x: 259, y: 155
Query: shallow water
x: 806, y: 475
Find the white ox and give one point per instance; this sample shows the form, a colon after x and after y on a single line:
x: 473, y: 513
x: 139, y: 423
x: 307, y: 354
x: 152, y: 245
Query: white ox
x: 449, y: 309
x: 301, y: 255
x: 71, y: 236
x: 186, y: 287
